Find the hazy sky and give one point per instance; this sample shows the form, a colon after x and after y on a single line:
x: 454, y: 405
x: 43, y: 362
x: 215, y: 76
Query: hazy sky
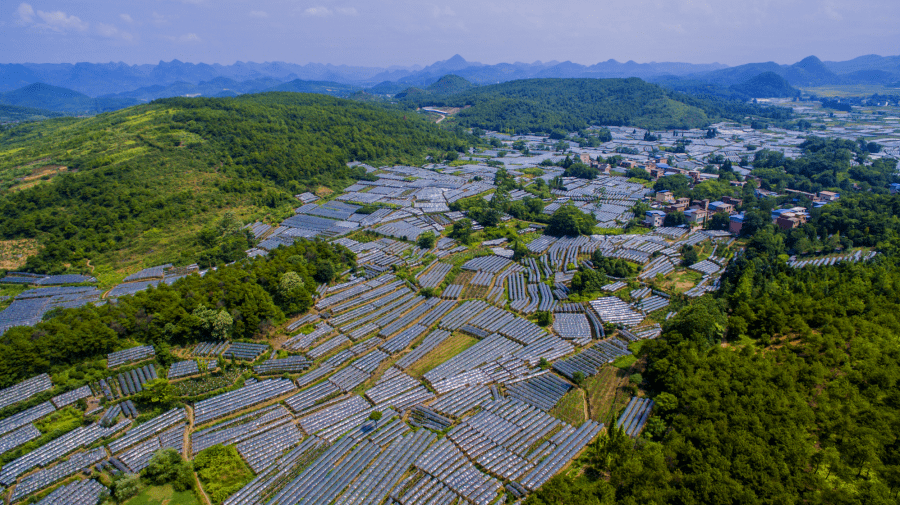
x: 408, y: 32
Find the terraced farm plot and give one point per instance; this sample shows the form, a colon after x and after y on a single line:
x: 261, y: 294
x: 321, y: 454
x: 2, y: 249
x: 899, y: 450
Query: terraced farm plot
x: 163, y: 495
x: 447, y: 349
x: 571, y: 408
x: 607, y: 393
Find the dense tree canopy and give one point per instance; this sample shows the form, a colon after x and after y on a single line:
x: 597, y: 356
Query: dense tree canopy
x: 569, y: 221
x: 238, y: 301
x: 149, y: 167
x: 545, y: 105
x: 780, y: 388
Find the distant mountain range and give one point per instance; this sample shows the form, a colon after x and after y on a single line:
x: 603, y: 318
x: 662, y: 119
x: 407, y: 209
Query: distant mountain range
x: 99, y: 79
x: 97, y: 87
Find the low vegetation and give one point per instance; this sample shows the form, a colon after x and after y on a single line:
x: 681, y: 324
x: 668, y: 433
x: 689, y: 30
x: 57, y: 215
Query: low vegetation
x: 222, y: 472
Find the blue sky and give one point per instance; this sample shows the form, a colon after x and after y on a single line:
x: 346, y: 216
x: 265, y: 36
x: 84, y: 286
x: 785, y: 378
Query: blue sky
x: 408, y: 32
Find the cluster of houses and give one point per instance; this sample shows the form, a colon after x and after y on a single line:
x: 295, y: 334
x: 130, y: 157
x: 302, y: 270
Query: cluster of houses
x: 698, y: 212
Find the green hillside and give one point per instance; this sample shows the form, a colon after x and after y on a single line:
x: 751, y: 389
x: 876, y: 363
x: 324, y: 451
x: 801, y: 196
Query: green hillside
x: 140, y: 183
x: 766, y: 85
x: 450, y: 84
x: 323, y: 87
x: 44, y: 96
x: 9, y: 113
x: 542, y: 105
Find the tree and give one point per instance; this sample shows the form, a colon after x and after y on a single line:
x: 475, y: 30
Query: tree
x: 588, y: 281
x: 703, y: 323
x: 614, y: 267
x: 689, y: 255
x: 569, y: 221
x: 485, y: 215
x: 324, y: 272
x: 125, y: 486
x: 719, y: 221
x: 754, y: 221
x: 676, y: 218
x: 216, y: 324
x: 638, y: 173
x: 375, y: 416
x: 544, y: 318
x: 678, y: 184
x: 520, y: 250
x: 289, y: 284
x: 581, y: 171
x: 167, y: 467
x: 157, y: 392
x: 578, y: 378
x: 666, y: 402
x: 462, y: 230
x: 426, y: 240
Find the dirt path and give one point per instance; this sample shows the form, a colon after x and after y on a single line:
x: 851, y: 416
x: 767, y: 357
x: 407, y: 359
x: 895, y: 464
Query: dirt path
x: 584, y: 405
x: 88, y: 263
x: 206, y: 499
x: 186, y: 448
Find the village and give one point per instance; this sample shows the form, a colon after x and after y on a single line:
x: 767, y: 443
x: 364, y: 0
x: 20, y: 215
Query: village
x: 394, y: 385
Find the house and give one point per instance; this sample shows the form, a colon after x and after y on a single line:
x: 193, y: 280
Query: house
x: 801, y: 211
x: 585, y: 158
x: 797, y: 192
x: 789, y: 220
x: 657, y: 172
x: 829, y: 196
x: 655, y: 218
x: 665, y: 196
x: 680, y: 205
x: 696, y: 215
x: 895, y: 188
x: 737, y: 202
x: 735, y: 223
x: 716, y: 207
x: 700, y: 204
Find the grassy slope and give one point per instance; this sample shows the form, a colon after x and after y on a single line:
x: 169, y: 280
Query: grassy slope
x: 164, y: 170
x: 122, y: 137
x: 163, y: 495
x: 573, y: 103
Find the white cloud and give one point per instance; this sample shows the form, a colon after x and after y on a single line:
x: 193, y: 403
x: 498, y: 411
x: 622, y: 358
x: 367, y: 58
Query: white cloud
x: 318, y: 11
x: 57, y: 21
x: 259, y: 14
x: 322, y: 11
x: 437, y: 12
x: 126, y: 18
x: 111, y: 32
x: 26, y: 13
x: 187, y: 38
x: 159, y: 20
x: 831, y: 11
x: 673, y: 27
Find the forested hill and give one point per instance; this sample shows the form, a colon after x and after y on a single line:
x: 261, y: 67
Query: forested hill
x: 141, y: 182
x: 542, y: 105
x: 781, y: 387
